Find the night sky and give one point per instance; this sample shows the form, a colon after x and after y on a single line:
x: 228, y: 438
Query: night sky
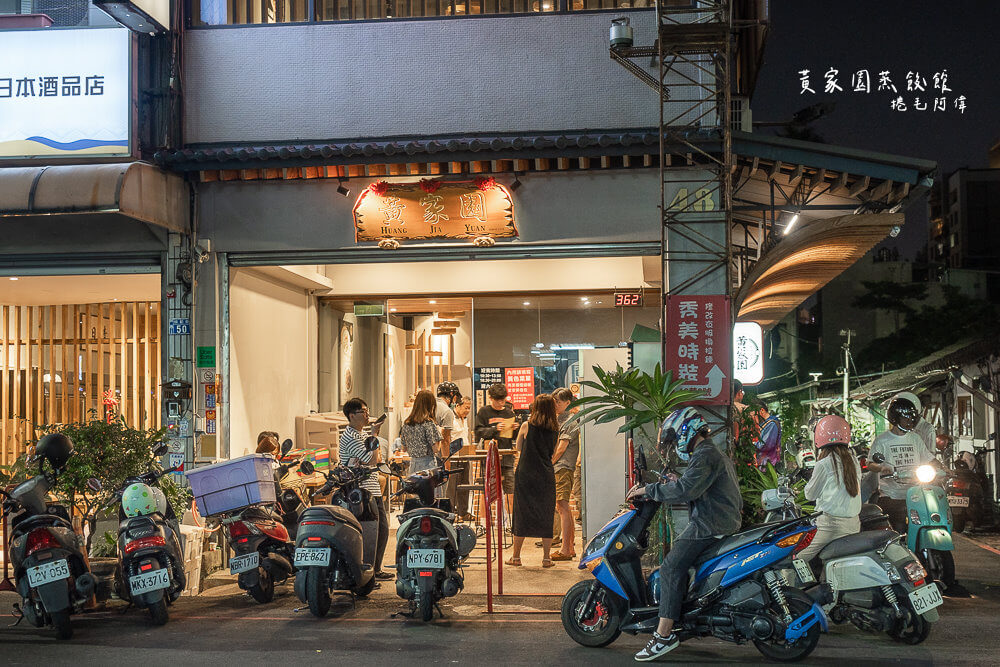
x: 962, y: 36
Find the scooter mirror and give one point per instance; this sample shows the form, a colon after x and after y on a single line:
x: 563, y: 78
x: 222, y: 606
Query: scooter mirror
x: 878, y: 458
x: 286, y: 446
x: 160, y: 448
x: 94, y: 484
x: 307, y: 467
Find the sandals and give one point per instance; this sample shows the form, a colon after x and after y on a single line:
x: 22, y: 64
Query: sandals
x: 560, y: 556
x: 547, y: 562
x: 513, y: 562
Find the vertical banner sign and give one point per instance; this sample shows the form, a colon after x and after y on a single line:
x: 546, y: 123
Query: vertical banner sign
x: 520, y: 386
x: 697, y: 336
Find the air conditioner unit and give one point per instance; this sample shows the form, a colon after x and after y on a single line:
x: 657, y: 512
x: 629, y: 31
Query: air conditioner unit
x: 740, y: 114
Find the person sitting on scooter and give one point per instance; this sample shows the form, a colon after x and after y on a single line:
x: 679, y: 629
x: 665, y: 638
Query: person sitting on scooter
x: 899, y: 446
x: 710, y: 489
x: 835, y: 485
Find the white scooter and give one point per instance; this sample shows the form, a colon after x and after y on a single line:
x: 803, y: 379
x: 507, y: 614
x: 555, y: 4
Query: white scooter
x: 869, y: 579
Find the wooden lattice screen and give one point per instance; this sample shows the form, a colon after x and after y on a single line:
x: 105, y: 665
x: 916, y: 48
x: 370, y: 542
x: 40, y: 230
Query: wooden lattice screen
x: 59, y: 361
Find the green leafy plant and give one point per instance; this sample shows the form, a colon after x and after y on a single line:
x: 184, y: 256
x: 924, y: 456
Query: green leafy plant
x: 761, y: 479
x: 106, y: 546
x: 110, y: 451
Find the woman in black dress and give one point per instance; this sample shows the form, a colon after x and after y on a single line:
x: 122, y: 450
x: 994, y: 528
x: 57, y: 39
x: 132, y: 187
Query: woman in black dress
x: 535, y: 480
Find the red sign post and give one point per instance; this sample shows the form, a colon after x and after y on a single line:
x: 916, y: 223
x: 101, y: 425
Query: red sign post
x: 697, y: 336
x: 493, y: 490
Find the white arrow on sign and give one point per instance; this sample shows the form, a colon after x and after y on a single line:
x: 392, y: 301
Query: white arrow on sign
x: 714, y: 386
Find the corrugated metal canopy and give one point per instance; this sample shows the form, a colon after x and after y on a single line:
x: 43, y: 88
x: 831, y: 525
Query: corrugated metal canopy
x: 134, y: 190
x: 806, y: 260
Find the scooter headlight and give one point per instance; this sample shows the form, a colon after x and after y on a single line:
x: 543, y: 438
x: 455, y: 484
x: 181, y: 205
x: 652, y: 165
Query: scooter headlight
x: 926, y: 474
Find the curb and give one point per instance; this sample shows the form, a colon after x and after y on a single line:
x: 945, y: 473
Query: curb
x: 981, y: 545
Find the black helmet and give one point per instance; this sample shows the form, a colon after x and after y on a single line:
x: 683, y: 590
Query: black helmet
x: 903, y: 414
x: 56, y: 448
x: 449, y: 389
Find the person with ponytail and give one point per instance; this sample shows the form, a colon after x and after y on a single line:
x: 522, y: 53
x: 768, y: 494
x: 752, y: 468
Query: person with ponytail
x: 835, y: 485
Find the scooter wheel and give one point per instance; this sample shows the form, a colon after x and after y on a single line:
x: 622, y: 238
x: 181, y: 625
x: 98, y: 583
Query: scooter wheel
x: 316, y: 592
x: 263, y: 590
x: 60, y: 621
x: 911, y: 630
x: 158, y: 612
x: 940, y: 565
x: 602, y: 626
x: 426, y: 607
x: 778, y: 648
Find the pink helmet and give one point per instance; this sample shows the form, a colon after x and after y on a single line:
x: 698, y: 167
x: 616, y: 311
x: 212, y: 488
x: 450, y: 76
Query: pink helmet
x: 832, y: 430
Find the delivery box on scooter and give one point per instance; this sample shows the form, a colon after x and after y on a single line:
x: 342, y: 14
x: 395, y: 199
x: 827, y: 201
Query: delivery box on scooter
x: 233, y: 484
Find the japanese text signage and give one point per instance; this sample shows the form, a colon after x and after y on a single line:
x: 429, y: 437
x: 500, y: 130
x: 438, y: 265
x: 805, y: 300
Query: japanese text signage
x: 64, y: 93
x: 520, y: 386
x: 433, y: 209
x: 696, y: 332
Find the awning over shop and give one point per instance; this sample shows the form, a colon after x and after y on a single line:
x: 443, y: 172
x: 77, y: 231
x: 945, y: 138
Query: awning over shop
x: 805, y: 261
x: 136, y: 191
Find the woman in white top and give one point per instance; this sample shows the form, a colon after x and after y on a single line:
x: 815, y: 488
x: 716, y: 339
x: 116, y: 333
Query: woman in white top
x: 835, y: 485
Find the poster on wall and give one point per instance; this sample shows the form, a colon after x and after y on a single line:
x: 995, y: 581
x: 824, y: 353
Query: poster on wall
x: 520, y: 386
x: 346, y: 357
x: 65, y: 93
x: 697, y: 337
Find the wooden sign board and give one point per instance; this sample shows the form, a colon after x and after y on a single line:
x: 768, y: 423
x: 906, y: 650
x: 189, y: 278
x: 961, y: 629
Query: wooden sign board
x: 434, y: 210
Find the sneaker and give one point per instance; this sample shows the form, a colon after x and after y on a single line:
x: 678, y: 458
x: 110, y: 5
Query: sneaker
x: 658, y: 647
x: 384, y: 576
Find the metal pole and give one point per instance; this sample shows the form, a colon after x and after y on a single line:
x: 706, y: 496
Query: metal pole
x: 225, y: 450
x: 847, y: 373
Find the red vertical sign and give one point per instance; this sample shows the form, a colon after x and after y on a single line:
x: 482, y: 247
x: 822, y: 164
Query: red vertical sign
x: 697, y: 335
x: 520, y: 386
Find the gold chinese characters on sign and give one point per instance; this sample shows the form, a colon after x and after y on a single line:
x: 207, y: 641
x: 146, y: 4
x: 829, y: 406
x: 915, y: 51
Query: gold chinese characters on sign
x: 432, y: 209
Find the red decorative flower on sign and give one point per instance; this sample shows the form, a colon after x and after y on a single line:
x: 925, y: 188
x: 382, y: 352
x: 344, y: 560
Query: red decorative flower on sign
x: 487, y: 183
x: 110, y: 405
x: 430, y: 185
x: 379, y: 188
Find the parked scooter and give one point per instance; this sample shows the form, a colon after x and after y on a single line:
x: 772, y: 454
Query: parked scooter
x: 263, y: 538
x: 874, y: 581
x: 50, y: 570
x: 928, y: 519
x: 335, y: 543
x: 150, y: 569
x: 735, y: 593
x: 969, y: 491
x: 429, y: 549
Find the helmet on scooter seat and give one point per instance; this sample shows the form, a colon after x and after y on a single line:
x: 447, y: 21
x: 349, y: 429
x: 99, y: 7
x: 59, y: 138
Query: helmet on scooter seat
x: 903, y: 414
x: 139, y: 500
x: 678, y: 431
x: 832, y: 430
x: 56, y: 448
x: 449, y: 389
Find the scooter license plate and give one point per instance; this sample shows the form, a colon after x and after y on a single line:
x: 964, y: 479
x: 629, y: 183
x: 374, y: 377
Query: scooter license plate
x: 926, y: 598
x: 431, y: 559
x: 958, y: 501
x: 803, y: 570
x: 244, y: 563
x: 306, y: 556
x: 149, y: 581
x: 46, y: 573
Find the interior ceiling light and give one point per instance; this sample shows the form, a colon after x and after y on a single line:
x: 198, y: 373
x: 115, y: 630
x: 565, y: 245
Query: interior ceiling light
x: 791, y: 223
x: 343, y: 189
x: 539, y: 345
x: 584, y: 298
x: 392, y: 310
x: 432, y: 302
x: 13, y: 277
x: 572, y: 346
x: 527, y: 303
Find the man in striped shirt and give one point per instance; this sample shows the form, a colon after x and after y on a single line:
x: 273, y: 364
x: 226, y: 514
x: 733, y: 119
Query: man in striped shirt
x: 354, y: 443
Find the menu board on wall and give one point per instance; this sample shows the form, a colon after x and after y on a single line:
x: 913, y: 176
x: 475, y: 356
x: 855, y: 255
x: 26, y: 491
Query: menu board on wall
x: 520, y: 386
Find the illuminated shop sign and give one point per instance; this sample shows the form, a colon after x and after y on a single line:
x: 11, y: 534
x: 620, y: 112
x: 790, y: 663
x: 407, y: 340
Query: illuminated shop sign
x: 433, y: 209
x: 748, y: 357
x: 64, y: 93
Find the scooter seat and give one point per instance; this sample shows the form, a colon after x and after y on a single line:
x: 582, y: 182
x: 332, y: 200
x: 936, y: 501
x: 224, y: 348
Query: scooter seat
x: 430, y: 511
x: 327, y: 513
x: 857, y: 543
x: 733, y: 542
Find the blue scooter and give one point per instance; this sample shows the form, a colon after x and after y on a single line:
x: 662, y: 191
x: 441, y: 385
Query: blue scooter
x: 736, y: 594
x: 928, y: 519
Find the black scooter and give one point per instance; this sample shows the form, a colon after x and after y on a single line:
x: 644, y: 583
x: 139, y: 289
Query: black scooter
x: 429, y: 549
x: 50, y: 570
x: 335, y: 543
x: 969, y: 491
x: 150, y: 570
x: 263, y: 539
